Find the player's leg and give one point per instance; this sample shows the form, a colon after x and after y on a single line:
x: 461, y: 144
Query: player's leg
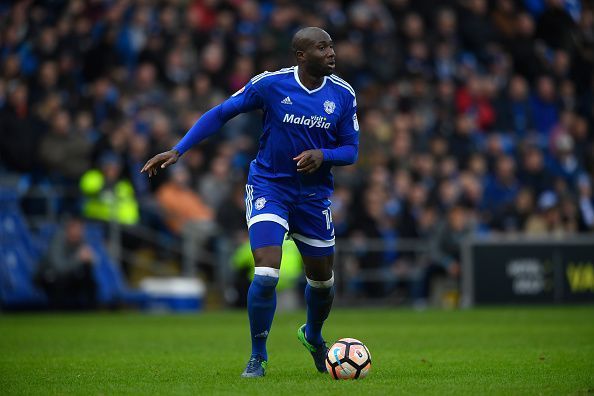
x: 261, y: 300
x: 314, y: 236
x: 267, y: 227
x: 266, y: 239
x: 319, y: 295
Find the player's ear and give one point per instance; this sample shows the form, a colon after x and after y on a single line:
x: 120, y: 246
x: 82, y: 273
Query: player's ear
x: 299, y: 55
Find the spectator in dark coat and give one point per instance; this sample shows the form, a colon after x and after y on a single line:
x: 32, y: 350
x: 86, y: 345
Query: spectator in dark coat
x: 533, y: 172
x: 514, y: 111
x: 20, y: 132
x: 66, y: 271
x: 555, y: 26
x: 523, y: 49
x: 64, y: 151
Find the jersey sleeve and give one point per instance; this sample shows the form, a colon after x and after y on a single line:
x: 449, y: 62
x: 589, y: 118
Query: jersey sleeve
x: 348, y: 125
x: 246, y: 99
x: 348, y: 138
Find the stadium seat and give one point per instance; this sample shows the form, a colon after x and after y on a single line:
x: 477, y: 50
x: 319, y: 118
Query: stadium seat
x: 17, y: 290
x: 15, y: 230
x: 19, y: 256
x: 112, y: 288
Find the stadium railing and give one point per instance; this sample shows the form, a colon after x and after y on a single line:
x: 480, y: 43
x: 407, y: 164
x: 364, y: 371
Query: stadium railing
x: 500, y: 269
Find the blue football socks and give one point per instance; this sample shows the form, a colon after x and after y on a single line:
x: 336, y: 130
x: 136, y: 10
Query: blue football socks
x: 261, y: 307
x: 318, y: 297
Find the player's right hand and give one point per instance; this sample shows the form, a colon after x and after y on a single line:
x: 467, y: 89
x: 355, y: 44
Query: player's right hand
x: 160, y: 161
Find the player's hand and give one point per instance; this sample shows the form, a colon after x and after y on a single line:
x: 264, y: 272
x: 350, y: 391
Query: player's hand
x: 309, y: 161
x: 160, y: 161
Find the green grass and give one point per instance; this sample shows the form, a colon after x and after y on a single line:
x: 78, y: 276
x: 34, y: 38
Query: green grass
x: 546, y: 351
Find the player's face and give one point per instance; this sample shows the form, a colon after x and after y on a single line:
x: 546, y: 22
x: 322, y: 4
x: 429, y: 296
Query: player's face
x: 320, y: 59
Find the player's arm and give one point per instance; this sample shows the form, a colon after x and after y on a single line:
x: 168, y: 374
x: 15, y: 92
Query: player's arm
x: 345, y: 154
x: 347, y: 151
x: 244, y: 100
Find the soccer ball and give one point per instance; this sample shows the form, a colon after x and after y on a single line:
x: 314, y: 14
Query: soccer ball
x: 348, y: 358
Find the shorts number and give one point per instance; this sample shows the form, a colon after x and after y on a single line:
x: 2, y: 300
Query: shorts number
x: 328, y: 216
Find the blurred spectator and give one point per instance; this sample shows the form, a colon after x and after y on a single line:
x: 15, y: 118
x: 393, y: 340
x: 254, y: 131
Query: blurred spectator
x: 216, y: 184
x: 462, y: 143
x: 448, y: 239
x: 107, y: 195
x: 65, y: 151
x: 502, y: 187
x: 514, y: 112
x: 565, y: 163
x: 555, y: 26
x: 513, y: 218
x: 21, y: 131
x: 547, y: 220
x: 230, y: 215
x: 504, y: 17
x: 586, y: 204
x: 473, y: 99
x: 525, y: 51
x: 66, y: 271
x: 544, y: 105
x: 533, y: 173
x: 476, y: 29
x: 180, y: 204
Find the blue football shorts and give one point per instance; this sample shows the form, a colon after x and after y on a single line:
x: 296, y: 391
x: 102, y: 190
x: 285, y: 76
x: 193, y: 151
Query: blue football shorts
x: 271, y: 213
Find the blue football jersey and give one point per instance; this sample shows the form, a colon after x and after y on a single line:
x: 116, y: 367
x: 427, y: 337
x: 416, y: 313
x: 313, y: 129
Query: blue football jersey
x: 297, y: 119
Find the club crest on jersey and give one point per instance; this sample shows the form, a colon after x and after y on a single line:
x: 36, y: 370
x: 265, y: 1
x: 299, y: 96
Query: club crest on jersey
x: 329, y: 107
x: 260, y: 202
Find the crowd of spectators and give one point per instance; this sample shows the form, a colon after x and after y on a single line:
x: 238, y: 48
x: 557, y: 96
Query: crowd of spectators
x: 476, y: 116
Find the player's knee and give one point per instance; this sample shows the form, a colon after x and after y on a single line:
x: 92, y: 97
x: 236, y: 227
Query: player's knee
x: 318, y: 268
x: 265, y: 280
x: 319, y: 275
x: 269, y: 256
x: 321, y: 284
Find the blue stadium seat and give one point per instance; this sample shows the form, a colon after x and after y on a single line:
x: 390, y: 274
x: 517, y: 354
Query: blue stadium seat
x: 111, y: 284
x: 19, y: 256
x: 14, y: 230
x: 8, y: 197
x: 17, y: 289
x: 44, y: 235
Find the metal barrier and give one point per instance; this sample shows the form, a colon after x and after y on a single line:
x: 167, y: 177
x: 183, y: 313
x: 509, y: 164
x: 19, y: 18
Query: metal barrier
x: 196, y: 236
x: 346, y: 250
x: 495, y: 270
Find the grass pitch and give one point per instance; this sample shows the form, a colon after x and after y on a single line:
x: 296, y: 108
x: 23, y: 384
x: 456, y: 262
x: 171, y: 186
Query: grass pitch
x: 546, y: 351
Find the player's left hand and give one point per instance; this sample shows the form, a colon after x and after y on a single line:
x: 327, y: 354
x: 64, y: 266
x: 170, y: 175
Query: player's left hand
x: 309, y: 161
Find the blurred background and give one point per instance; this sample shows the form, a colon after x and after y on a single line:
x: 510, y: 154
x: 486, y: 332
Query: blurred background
x: 474, y: 179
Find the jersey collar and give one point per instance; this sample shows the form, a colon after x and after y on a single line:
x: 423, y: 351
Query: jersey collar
x: 310, y: 91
